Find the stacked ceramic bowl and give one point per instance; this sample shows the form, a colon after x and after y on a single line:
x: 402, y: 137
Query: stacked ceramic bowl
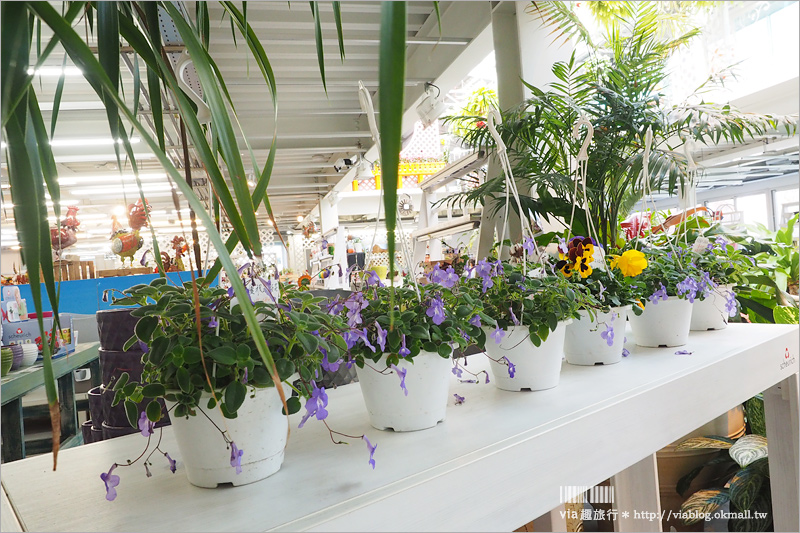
x: 6, y: 360
x: 16, y: 350
x: 30, y: 352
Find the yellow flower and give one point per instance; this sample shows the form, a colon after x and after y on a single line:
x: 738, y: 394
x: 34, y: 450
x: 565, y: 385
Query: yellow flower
x: 630, y: 263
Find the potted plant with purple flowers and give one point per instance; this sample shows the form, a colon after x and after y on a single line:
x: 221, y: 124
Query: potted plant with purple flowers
x: 724, y: 264
x: 227, y: 414
x: 671, y: 284
x: 402, y: 346
x: 527, y: 307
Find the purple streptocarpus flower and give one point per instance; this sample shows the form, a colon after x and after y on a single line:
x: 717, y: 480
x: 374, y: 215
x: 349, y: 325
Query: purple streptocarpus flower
x: 436, y: 310
x: 484, y: 270
x: 468, y: 380
x: 475, y: 321
x: 401, y: 373
x: 457, y: 371
x: 350, y: 338
x: 111, y: 480
x: 144, y: 347
x: 512, y: 368
x: 625, y: 352
x: 459, y: 399
x: 213, y: 323
x: 147, y: 470
x: 514, y: 318
x: 451, y: 278
x: 730, y: 304
x: 373, y: 279
x: 365, y: 340
x: 354, y: 306
x: 236, y: 458
x: 602, y: 290
x: 721, y: 241
x: 230, y: 292
x: 403, y: 352
x: 683, y: 352
x: 688, y: 287
x: 145, y: 426
x: 608, y: 335
x: 563, y: 247
x: 335, y: 306
x: 498, y: 334
x: 316, y: 404
x: 173, y: 464
x: 487, y: 378
x: 529, y: 245
x: 381, y: 339
x: 244, y: 378
x: 327, y: 365
x: 660, y: 294
x: 371, y: 449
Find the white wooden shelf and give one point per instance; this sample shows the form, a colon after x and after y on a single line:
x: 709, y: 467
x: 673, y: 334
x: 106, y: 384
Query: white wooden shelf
x: 497, y: 462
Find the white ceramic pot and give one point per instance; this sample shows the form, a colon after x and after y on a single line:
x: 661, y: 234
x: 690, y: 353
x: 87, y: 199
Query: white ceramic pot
x: 663, y: 324
x: 428, y: 384
x: 536, y: 368
x: 711, y: 313
x: 30, y: 352
x: 259, y: 430
x: 583, y: 343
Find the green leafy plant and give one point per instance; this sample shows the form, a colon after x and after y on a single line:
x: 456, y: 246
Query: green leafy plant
x: 183, y: 343
x: 617, y: 89
x: 743, y: 476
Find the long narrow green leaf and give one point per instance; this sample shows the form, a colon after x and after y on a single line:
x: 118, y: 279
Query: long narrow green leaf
x: 11, y: 47
x: 140, y: 43
x: 14, y: 55
x: 153, y: 79
x: 391, y: 76
x: 219, y: 113
x: 57, y: 97
x: 108, y: 50
x: 318, y: 39
x: 438, y: 17
x: 80, y: 54
x: 30, y: 218
x: 337, y: 17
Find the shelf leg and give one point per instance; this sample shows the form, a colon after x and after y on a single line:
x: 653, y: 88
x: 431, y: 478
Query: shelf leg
x: 782, y: 420
x: 13, y: 431
x: 636, y: 497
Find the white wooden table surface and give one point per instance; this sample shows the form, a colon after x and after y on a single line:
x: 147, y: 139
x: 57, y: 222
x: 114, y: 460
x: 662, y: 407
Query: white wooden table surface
x: 497, y: 462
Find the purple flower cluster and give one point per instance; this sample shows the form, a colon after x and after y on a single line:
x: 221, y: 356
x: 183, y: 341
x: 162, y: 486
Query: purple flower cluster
x: 498, y: 334
x: 111, y: 480
x: 373, y: 279
x: 446, y: 278
x: 236, y: 457
x: 660, y: 294
x: 145, y: 426
x: 486, y: 270
x: 730, y: 304
x: 316, y: 404
x: 436, y: 310
x: 688, y: 287
x: 475, y: 321
x: 381, y: 338
x: 529, y: 245
x: 355, y: 305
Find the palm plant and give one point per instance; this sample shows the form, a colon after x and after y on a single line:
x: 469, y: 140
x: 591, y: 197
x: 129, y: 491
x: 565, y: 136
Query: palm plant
x: 32, y: 169
x: 617, y: 88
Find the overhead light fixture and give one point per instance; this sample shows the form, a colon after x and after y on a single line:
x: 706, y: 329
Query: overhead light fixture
x: 119, y: 210
x: 300, y: 218
x: 129, y: 188
x: 55, y: 71
x: 430, y: 108
x: 105, y: 178
x: 101, y: 141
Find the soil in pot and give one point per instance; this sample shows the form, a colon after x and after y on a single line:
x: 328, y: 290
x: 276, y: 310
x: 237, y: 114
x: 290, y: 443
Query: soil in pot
x: 427, y: 383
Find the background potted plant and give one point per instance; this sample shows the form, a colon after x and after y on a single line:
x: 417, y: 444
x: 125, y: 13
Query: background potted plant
x: 670, y: 284
x: 598, y: 335
x: 401, y: 341
x: 526, y: 308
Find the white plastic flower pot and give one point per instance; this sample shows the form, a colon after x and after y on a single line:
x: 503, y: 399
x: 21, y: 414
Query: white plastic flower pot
x: 427, y: 381
x: 259, y: 430
x: 663, y: 324
x: 535, y: 368
x: 584, y: 343
x: 711, y: 312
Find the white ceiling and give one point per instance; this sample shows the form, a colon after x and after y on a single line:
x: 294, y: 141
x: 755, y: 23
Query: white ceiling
x: 314, y: 129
